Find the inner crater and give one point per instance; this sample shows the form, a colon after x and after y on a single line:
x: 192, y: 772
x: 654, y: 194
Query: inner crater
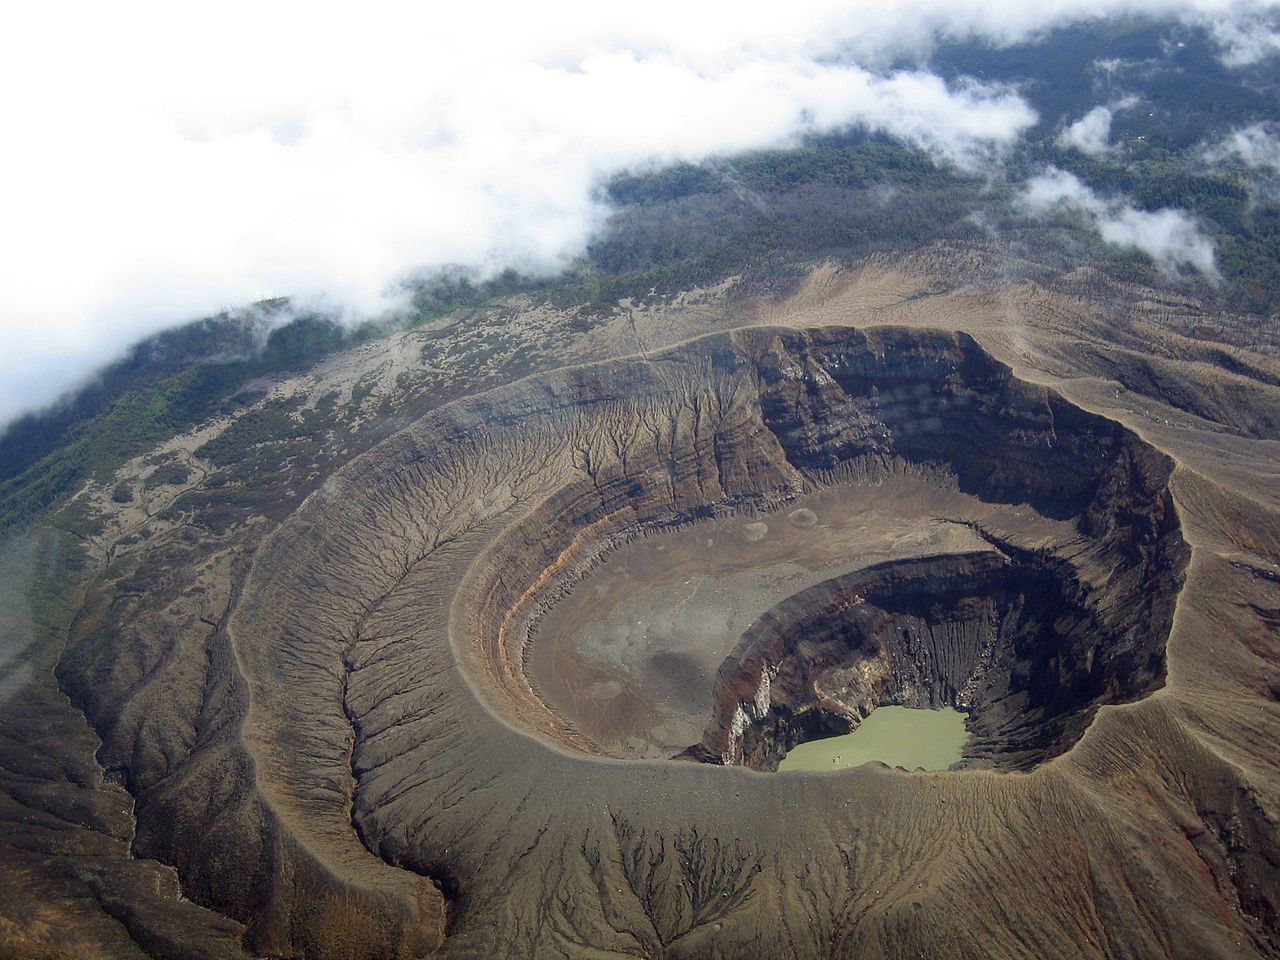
x: 843, y: 520
x: 631, y: 656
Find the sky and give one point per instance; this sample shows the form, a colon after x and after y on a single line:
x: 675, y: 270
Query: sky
x: 165, y: 161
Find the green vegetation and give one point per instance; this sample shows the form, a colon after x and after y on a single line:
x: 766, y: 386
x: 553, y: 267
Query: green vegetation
x: 1245, y: 228
x: 56, y: 566
x: 180, y: 378
x: 1185, y: 94
x: 271, y: 423
x: 170, y: 474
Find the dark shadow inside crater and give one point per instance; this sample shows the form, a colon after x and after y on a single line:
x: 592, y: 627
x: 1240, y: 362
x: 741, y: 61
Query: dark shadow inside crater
x: 1029, y: 641
x: 1009, y: 636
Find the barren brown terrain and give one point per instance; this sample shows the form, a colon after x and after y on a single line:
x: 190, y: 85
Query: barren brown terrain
x: 508, y: 675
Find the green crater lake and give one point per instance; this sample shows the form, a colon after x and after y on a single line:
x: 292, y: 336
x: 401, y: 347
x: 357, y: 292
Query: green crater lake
x: 898, y: 736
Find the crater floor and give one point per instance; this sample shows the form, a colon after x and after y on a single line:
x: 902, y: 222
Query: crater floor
x: 629, y: 657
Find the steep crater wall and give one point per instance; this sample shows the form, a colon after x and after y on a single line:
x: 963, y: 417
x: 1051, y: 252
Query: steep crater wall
x: 1016, y: 641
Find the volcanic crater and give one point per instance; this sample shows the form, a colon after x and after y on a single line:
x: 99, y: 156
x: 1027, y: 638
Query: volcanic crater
x: 827, y: 522
x: 514, y: 680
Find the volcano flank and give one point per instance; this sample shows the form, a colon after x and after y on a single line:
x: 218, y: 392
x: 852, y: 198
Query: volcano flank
x: 515, y: 678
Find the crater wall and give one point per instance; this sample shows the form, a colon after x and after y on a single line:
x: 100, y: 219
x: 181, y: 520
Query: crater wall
x: 1030, y: 638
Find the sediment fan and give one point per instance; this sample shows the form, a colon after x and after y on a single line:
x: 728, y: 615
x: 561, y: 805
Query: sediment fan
x: 411, y: 783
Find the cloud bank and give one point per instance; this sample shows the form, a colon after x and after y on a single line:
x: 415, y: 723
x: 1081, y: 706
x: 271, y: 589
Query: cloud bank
x: 1245, y: 34
x: 1170, y: 237
x: 169, y: 160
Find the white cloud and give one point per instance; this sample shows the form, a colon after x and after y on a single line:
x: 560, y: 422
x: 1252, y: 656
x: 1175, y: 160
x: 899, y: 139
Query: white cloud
x: 1246, y: 36
x: 1256, y: 146
x: 1168, y: 236
x: 1091, y: 134
x: 166, y: 160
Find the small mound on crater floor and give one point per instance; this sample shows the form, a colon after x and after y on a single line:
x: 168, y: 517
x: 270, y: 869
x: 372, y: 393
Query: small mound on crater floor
x: 804, y: 517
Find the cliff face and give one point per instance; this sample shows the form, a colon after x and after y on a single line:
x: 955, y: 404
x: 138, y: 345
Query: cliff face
x: 1018, y: 644
x: 392, y: 776
x: 1029, y: 642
